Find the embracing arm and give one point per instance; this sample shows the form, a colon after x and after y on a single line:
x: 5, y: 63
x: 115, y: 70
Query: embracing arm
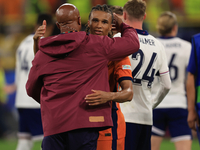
x: 119, y: 47
x: 165, y: 85
x: 192, y: 114
x: 126, y: 94
x: 100, y: 97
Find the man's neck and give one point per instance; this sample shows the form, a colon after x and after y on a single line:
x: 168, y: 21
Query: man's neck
x: 68, y: 29
x: 170, y: 35
x: 135, y: 24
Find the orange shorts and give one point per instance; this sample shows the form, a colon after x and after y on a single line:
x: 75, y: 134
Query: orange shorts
x: 107, y: 144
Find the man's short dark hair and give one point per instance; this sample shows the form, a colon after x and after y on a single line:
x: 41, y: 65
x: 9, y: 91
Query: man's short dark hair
x: 103, y: 8
x: 116, y: 9
x: 135, y: 8
x: 47, y: 17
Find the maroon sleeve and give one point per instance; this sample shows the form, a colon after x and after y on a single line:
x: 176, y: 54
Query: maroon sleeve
x: 120, y: 47
x: 35, y: 82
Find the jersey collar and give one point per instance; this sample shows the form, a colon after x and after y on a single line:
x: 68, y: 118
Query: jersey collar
x: 164, y: 37
x: 143, y: 32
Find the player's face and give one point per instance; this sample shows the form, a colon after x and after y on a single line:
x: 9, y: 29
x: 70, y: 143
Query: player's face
x: 100, y: 23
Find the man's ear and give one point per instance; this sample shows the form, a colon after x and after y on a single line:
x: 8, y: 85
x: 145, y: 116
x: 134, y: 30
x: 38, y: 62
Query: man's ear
x: 145, y: 16
x: 175, y: 30
x: 124, y: 15
x: 79, y: 20
x: 57, y: 24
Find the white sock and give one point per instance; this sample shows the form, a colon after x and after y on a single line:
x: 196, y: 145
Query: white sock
x: 24, y: 144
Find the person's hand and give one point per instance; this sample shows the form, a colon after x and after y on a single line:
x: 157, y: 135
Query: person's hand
x: 38, y: 34
x: 117, y: 23
x: 40, y: 31
x: 98, y: 97
x: 9, y: 89
x: 193, y: 119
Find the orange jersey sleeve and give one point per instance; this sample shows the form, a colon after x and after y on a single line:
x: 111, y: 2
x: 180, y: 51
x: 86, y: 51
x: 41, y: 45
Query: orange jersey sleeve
x: 118, y: 71
x: 122, y: 71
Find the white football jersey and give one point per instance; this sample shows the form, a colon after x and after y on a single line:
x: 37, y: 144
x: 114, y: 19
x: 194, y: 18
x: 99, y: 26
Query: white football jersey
x: 145, y: 64
x: 24, y: 57
x: 178, y: 53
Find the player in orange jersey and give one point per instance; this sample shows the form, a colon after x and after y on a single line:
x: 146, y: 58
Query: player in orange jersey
x: 120, y: 80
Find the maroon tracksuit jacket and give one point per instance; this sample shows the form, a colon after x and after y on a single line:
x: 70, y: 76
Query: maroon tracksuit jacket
x: 66, y: 68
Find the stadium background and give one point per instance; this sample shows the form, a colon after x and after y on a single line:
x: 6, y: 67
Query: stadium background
x: 17, y: 19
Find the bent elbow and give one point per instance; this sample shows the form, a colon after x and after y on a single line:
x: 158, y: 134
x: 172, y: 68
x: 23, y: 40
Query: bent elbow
x: 130, y: 96
x: 167, y: 88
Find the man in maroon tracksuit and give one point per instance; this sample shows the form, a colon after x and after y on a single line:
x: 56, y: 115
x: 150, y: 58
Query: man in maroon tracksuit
x: 65, y: 69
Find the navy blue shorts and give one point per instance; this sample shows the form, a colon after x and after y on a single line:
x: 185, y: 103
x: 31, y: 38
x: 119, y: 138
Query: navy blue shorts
x: 30, y: 123
x: 175, y: 119
x: 138, y: 137
x: 80, y: 139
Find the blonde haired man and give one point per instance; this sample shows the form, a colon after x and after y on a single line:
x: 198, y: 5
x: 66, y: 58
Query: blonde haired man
x: 172, y: 112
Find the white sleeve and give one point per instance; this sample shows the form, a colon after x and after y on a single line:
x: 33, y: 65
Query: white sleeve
x: 165, y: 85
x: 187, y: 53
x: 117, y: 34
x: 17, y: 67
x: 164, y: 65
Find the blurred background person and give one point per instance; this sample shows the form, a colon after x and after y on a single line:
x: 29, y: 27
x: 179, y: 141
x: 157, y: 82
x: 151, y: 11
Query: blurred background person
x: 193, y: 86
x: 30, y: 125
x: 4, y: 129
x: 172, y: 112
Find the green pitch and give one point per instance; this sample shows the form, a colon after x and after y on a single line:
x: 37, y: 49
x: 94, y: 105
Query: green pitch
x: 11, y: 145
x: 166, y: 145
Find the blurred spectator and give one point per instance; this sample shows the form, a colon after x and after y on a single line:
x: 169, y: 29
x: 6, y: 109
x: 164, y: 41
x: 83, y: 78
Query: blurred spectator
x: 54, y: 4
x: 3, y: 125
x: 84, y: 8
x: 11, y: 11
x: 30, y: 125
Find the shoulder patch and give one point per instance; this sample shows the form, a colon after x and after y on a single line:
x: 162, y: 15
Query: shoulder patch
x: 126, y: 67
